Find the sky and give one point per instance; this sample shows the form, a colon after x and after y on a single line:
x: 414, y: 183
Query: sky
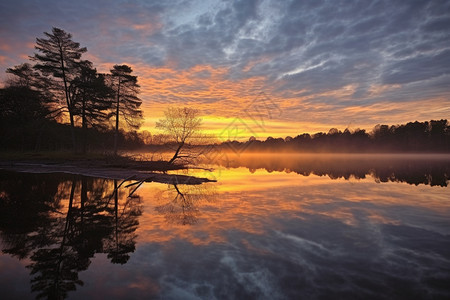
x: 259, y: 67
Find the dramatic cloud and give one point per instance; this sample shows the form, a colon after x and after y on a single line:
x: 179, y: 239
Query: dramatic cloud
x: 324, y: 63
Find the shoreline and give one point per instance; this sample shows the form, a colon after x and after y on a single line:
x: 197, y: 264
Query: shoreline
x: 116, y: 168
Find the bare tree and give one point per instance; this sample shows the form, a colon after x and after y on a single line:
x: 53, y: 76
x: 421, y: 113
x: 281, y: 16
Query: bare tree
x: 183, y: 127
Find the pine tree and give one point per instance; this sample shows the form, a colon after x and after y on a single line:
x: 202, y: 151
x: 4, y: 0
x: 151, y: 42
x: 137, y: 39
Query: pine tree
x: 92, y: 99
x: 127, y: 102
x: 59, y: 60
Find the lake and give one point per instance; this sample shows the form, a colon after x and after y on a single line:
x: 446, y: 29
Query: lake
x: 271, y: 227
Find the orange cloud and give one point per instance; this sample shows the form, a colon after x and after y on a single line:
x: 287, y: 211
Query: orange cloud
x: 5, y: 47
x: 143, y: 27
x: 148, y: 27
x: 230, y: 108
x: 225, y: 102
x: 207, y: 88
x: 378, y: 89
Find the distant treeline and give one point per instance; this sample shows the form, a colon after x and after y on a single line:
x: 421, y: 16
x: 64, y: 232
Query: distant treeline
x: 432, y: 136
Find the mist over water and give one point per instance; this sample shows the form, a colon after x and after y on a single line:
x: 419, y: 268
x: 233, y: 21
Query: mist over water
x: 271, y: 227
x: 432, y: 169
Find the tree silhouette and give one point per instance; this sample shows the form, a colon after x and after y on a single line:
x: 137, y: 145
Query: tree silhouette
x: 432, y: 136
x: 59, y: 60
x: 22, y: 117
x: 182, y: 125
x: 384, y: 168
x: 72, y: 92
x: 127, y: 104
x: 55, y: 269
x: 91, y: 226
x: 26, y: 203
x: 27, y: 113
x: 91, y: 97
x: 122, y: 239
x: 59, y: 243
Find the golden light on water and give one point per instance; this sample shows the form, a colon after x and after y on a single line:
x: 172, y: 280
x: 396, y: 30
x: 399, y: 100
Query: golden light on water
x: 246, y: 198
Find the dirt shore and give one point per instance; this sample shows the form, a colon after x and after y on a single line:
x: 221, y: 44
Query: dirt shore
x: 120, y: 168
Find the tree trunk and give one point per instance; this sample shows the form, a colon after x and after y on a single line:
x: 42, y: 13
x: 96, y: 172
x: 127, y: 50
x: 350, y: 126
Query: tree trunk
x: 65, y: 234
x: 84, y: 199
x: 84, y: 125
x: 116, y: 133
x: 68, y: 102
x: 175, y: 156
x: 37, y: 145
x: 72, y: 133
x: 116, y: 216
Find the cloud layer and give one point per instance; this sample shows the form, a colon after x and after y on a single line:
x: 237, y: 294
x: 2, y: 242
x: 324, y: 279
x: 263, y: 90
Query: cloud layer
x: 325, y: 63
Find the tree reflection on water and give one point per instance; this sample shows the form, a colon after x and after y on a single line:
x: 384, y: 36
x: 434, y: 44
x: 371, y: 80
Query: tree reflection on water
x: 179, y: 203
x: 60, y: 222
x: 430, y: 169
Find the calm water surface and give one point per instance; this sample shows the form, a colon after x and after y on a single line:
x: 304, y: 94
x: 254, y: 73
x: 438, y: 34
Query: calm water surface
x: 284, y: 227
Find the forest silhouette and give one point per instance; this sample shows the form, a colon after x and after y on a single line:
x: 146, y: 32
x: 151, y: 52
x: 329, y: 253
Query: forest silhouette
x: 62, y: 102
x: 429, y: 136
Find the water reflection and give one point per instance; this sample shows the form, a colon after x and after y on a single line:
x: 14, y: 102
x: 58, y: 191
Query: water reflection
x: 265, y: 235
x: 431, y: 170
x: 179, y: 203
x: 60, y: 222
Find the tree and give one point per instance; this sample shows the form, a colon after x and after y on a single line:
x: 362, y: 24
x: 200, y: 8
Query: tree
x: 127, y: 104
x: 91, y: 97
x: 25, y: 107
x: 24, y: 76
x: 59, y: 222
x: 22, y: 117
x: 182, y: 125
x: 146, y: 137
x: 122, y: 240
x: 59, y: 60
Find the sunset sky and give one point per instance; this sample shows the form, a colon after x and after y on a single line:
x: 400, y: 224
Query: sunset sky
x: 262, y: 68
